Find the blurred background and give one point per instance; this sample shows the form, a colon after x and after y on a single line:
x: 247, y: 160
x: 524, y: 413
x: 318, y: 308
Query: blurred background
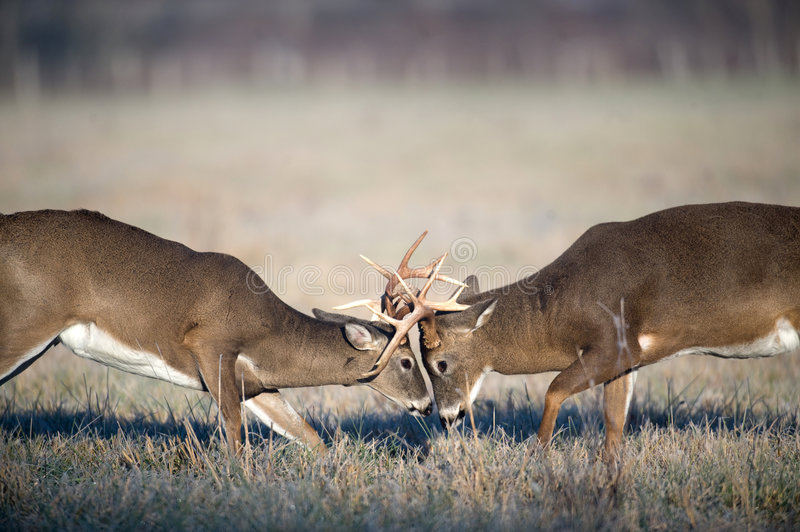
x: 298, y: 134
x: 119, y: 45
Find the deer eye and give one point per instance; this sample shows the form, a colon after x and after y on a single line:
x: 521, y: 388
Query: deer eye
x: 441, y: 366
x: 405, y: 363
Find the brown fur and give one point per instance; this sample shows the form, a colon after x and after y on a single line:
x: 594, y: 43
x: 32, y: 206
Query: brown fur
x: 198, y: 311
x: 694, y: 276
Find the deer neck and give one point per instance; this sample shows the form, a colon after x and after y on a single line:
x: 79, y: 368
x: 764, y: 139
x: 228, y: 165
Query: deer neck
x: 296, y: 350
x: 523, y: 334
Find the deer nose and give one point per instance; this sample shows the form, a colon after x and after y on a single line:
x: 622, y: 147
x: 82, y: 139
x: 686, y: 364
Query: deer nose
x: 425, y: 409
x: 452, y: 421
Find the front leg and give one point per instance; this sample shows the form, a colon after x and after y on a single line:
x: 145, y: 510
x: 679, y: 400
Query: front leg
x: 593, y: 366
x: 275, y: 412
x: 219, y: 375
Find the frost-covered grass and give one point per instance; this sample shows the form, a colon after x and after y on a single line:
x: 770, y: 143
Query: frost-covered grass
x: 78, y: 451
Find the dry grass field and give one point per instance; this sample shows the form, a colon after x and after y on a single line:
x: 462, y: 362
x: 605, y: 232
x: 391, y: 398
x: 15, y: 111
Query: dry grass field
x: 297, y: 183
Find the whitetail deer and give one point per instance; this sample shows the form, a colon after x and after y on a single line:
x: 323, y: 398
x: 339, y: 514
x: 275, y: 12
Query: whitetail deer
x: 719, y: 279
x: 128, y: 299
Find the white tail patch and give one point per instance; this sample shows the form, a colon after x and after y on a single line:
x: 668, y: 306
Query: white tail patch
x: 646, y: 341
x: 787, y: 335
x: 88, y: 341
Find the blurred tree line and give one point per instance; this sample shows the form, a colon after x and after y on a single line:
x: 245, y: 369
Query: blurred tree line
x: 146, y: 44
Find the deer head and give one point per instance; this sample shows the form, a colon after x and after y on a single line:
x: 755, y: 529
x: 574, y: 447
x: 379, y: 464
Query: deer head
x: 401, y: 307
x: 455, y: 350
x: 400, y: 379
x: 446, y: 327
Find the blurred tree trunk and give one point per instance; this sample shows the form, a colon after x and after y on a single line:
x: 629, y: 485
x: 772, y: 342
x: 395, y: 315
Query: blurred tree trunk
x: 763, y: 41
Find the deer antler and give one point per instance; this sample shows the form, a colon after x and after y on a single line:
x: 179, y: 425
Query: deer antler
x: 390, y: 309
x: 404, y: 272
x: 388, y: 302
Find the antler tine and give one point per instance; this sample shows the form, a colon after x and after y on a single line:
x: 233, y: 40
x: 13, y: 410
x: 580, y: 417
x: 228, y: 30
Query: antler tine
x: 373, y: 305
x: 450, y: 280
x: 383, y: 271
x: 387, y: 319
x: 403, y: 270
x: 424, y: 271
x: 407, y: 290
x: 411, y: 250
x: 449, y: 305
x: 435, y: 273
x: 401, y: 330
x: 407, y: 307
x: 427, y: 270
x: 369, y: 303
x: 386, y: 356
x: 402, y: 327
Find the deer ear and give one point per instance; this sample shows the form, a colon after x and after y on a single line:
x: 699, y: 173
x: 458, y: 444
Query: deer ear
x: 327, y: 316
x: 475, y: 317
x: 488, y: 309
x: 471, y: 289
x: 331, y: 317
x: 361, y: 337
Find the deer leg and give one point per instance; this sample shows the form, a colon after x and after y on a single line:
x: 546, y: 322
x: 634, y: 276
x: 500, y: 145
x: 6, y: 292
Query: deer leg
x: 219, y: 375
x: 617, y: 396
x: 594, y: 366
x: 275, y: 412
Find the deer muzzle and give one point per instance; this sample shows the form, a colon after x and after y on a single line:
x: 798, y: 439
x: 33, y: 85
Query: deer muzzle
x: 451, y: 420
